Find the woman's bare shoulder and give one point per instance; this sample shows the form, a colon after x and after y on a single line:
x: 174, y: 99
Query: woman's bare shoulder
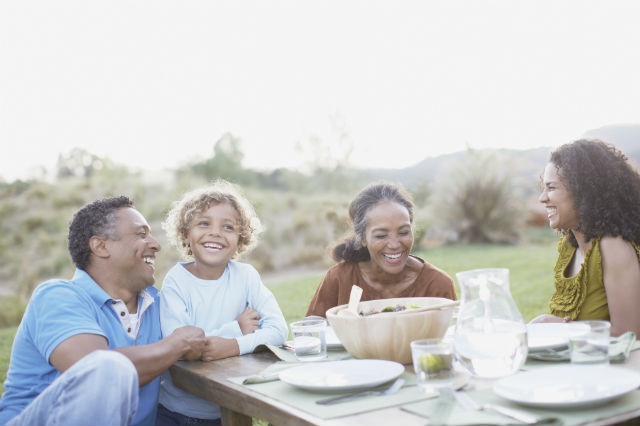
x: 615, y: 243
x: 616, y: 249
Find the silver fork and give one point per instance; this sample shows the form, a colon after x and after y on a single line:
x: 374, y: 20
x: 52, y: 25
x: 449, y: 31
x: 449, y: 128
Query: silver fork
x: 468, y: 403
x: 386, y: 391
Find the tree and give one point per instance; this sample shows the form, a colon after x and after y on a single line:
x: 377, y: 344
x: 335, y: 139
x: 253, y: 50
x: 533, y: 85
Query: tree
x: 78, y: 163
x: 226, y: 162
x: 328, y: 162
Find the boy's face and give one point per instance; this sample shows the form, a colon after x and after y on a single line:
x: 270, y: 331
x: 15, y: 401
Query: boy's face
x: 213, y: 238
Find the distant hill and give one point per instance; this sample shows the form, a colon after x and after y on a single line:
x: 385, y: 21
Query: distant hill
x: 528, y: 163
x: 626, y: 137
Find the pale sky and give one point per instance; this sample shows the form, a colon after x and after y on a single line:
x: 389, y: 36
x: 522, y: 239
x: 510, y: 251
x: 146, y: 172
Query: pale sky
x: 154, y: 84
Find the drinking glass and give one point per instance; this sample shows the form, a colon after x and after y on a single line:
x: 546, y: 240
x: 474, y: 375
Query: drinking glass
x: 433, y: 364
x: 309, y: 339
x: 589, y: 342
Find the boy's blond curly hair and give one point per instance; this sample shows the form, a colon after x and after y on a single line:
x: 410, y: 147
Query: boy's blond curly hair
x: 178, y: 221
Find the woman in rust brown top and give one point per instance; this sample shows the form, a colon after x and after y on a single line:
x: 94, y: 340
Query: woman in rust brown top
x: 377, y: 257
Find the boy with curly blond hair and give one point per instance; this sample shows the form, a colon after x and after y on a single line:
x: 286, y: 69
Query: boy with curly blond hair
x: 226, y: 298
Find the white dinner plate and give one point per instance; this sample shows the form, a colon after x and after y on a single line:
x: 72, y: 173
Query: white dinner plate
x: 567, y: 386
x: 551, y: 335
x: 351, y: 374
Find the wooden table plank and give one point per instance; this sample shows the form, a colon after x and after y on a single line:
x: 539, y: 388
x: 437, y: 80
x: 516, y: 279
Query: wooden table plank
x: 208, y: 380
x: 233, y: 418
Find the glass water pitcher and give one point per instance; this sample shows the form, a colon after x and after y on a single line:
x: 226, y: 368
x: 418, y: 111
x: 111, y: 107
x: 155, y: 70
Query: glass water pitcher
x: 490, y: 337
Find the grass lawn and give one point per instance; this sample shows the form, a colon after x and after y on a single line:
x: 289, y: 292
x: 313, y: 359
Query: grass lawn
x: 530, y: 265
x: 530, y: 269
x: 6, y: 339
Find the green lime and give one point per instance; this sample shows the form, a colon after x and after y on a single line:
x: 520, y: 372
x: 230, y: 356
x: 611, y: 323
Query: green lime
x: 431, y: 363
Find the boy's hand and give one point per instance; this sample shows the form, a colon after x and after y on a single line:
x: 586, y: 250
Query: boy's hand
x: 248, y: 321
x: 219, y: 347
x: 192, y: 341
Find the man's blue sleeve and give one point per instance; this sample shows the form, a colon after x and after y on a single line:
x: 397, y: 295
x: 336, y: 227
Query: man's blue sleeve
x: 58, y: 312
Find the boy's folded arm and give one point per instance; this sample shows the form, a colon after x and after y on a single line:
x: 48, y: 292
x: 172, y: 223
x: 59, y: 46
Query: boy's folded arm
x: 273, y: 327
x: 264, y: 302
x: 271, y: 316
x: 229, y: 329
x: 268, y: 335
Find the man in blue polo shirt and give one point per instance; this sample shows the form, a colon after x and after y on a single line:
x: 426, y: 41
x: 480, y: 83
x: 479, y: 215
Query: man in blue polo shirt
x: 89, y: 350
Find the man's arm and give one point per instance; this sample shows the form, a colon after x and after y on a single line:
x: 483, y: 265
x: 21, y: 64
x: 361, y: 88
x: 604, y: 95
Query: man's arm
x: 74, y: 348
x: 150, y: 360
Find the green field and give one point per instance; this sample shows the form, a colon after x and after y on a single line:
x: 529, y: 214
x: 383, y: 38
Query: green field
x: 6, y: 339
x: 530, y: 265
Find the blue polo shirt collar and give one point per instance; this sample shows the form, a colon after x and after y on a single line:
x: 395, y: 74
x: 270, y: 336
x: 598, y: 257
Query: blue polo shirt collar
x: 93, y: 289
x: 83, y: 280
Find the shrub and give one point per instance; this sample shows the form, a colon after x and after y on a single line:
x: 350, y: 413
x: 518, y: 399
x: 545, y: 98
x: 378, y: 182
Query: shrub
x: 67, y: 200
x: 11, y: 311
x: 480, y: 202
x: 7, y: 208
x: 33, y: 222
x: 420, y: 226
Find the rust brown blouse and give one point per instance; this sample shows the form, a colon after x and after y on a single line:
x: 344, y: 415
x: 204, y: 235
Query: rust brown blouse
x: 336, y: 286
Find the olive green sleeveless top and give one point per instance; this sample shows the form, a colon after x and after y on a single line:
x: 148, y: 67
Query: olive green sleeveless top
x: 583, y: 296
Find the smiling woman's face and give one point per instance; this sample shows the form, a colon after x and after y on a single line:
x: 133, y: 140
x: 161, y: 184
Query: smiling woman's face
x: 388, y: 236
x: 557, y: 200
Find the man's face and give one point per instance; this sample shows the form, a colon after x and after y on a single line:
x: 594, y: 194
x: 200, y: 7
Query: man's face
x: 132, y: 256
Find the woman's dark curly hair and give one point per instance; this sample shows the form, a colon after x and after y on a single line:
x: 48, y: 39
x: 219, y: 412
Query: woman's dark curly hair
x: 352, y: 250
x: 605, y: 189
x: 96, y: 218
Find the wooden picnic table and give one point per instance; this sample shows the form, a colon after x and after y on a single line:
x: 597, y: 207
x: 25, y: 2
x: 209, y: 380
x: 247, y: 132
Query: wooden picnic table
x: 240, y: 403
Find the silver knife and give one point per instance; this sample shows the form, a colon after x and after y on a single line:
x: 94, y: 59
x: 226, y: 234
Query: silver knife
x: 387, y: 391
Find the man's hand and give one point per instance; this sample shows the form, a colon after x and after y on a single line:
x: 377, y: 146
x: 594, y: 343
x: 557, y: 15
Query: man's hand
x: 219, y: 347
x: 248, y: 321
x: 191, y: 339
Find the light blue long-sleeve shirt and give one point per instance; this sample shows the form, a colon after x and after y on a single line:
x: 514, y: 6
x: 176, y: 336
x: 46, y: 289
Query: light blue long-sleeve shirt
x: 214, y: 305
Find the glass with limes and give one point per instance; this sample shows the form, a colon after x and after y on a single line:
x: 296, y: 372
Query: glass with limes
x: 433, y: 363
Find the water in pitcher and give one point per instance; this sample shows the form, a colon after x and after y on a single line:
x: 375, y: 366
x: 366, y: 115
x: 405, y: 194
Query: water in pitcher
x: 490, y: 338
x: 496, y: 354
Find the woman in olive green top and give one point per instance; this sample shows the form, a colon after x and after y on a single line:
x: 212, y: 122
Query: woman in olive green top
x: 592, y: 195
